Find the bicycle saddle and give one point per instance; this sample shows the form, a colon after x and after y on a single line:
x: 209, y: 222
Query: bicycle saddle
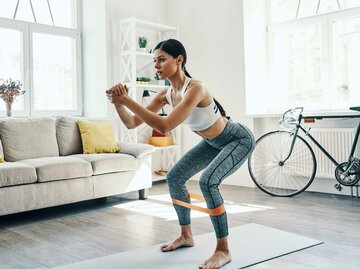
x: 357, y: 108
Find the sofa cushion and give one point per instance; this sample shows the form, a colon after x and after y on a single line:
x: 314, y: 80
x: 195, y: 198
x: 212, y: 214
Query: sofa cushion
x: 26, y: 138
x: 110, y: 162
x: 97, y: 137
x: 57, y: 168
x: 68, y: 136
x: 16, y: 173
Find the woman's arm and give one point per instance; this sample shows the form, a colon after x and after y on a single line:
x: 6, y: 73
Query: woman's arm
x: 130, y: 121
x: 192, y: 97
x: 133, y: 121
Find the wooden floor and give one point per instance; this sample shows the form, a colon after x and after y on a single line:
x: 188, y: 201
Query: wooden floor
x: 66, y: 234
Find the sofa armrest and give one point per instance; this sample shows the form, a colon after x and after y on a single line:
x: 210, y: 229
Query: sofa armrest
x: 137, y: 150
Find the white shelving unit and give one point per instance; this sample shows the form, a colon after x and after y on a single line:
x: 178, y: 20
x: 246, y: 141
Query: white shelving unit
x: 132, y: 63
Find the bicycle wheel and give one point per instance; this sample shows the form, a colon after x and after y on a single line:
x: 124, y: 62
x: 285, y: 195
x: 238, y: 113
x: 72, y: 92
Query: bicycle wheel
x: 275, y: 176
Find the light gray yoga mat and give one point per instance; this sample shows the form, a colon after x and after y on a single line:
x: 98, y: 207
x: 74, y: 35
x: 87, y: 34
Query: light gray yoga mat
x: 249, y: 244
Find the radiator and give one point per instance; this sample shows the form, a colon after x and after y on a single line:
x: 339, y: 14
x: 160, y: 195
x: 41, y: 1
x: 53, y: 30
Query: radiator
x: 336, y: 141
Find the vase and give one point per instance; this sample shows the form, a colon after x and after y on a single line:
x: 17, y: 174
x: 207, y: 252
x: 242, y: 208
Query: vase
x: 8, y: 109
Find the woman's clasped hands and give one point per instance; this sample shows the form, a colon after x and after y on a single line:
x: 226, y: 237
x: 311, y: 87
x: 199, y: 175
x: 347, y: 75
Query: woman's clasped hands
x: 118, y: 94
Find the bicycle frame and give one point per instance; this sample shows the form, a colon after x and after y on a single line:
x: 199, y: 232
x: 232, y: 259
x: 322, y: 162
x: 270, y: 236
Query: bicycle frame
x: 327, y: 154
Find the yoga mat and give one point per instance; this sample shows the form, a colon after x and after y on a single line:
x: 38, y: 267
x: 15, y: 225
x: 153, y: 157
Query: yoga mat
x: 249, y: 244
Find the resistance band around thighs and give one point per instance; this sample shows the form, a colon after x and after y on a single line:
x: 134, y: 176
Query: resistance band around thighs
x: 213, y: 212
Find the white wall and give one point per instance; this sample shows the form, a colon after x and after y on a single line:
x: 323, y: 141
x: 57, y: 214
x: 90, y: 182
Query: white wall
x: 94, y: 58
x: 255, y: 51
x: 116, y: 10
x: 97, y: 49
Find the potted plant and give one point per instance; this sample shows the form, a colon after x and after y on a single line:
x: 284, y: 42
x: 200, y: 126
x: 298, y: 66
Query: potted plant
x: 142, y: 80
x: 9, y: 90
x: 142, y: 40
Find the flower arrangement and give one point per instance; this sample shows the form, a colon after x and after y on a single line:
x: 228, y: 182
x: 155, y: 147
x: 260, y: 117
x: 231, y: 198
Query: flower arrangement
x: 9, y: 90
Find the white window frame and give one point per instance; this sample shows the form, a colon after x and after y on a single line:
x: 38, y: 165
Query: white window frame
x: 28, y: 28
x: 20, y: 26
x: 326, y: 20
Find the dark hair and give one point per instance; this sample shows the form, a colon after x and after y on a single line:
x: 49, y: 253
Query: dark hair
x: 175, y: 48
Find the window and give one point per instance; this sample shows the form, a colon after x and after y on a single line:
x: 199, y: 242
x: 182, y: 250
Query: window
x: 286, y: 10
x: 43, y: 52
x: 346, y: 62
x: 297, y: 66
x: 52, y: 12
x: 313, y: 56
x: 11, y: 61
x: 54, y: 72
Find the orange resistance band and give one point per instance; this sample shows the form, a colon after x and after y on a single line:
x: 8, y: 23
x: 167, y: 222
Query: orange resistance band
x: 213, y: 212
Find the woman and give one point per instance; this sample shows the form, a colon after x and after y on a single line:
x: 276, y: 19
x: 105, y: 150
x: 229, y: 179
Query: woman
x: 224, y: 148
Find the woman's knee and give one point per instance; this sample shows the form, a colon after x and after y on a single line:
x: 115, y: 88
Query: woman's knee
x: 175, y: 178
x: 207, y: 182
x: 170, y: 177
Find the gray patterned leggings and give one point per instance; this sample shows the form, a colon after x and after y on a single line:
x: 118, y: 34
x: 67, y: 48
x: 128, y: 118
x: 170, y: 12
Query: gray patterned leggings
x: 220, y: 157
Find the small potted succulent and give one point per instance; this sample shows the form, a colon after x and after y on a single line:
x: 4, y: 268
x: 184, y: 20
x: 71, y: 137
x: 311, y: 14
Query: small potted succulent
x: 142, y: 40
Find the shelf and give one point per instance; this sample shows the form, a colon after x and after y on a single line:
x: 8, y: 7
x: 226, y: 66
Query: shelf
x: 156, y: 177
x: 134, y: 63
x: 152, y: 86
x: 149, y: 25
x: 154, y: 26
x: 138, y: 53
x: 168, y: 147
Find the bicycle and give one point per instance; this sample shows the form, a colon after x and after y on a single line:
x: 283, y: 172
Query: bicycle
x: 284, y: 164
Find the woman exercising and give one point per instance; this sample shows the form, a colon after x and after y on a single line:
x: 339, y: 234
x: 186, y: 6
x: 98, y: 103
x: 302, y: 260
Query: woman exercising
x: 224, y: 148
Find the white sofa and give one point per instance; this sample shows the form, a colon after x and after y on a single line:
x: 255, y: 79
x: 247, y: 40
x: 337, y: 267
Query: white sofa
x: 45, y: 166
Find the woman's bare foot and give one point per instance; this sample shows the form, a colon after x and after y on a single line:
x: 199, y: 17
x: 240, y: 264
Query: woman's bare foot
x: 220, y: 257
x: 178, y: 243
x: 217, y: 260
x: 185, y: 240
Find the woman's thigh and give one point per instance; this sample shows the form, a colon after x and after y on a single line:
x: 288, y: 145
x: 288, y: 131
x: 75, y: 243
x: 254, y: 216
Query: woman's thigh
x: 228, y: 160
x: 195, y: 160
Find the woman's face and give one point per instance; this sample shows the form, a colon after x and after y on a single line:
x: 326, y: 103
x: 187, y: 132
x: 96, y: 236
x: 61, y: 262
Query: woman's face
x: 165, y: 64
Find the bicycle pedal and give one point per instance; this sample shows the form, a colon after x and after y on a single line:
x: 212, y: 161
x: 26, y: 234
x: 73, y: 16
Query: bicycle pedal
x: 338, y: 187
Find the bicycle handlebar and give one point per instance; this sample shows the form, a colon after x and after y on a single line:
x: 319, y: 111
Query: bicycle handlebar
x: 291, y: 116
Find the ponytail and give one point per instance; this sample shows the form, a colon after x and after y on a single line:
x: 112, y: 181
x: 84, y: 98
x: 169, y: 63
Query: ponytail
x: 221, y: 109
x: 186, y: 72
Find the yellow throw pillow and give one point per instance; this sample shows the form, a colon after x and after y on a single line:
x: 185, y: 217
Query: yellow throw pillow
x: 97, y: 137
x: 2, y: 159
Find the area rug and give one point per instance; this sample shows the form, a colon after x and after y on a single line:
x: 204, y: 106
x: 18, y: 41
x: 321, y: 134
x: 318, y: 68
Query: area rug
x: 249, y: 244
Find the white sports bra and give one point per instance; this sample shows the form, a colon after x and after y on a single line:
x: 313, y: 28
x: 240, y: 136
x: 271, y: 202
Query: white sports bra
x: 201, y: 117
